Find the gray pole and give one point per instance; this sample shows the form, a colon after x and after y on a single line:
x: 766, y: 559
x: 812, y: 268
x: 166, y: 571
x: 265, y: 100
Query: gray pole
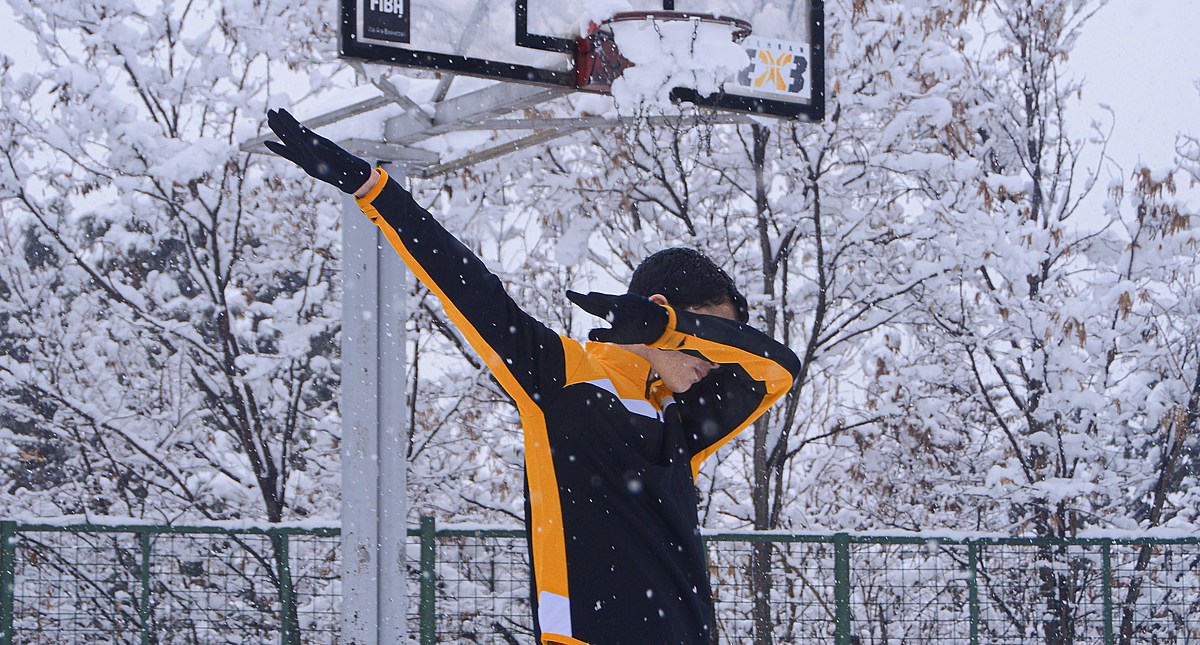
x: 374, y: 436
x: 392, y: 491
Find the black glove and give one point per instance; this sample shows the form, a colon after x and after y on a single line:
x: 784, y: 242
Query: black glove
x: 635, y: 320
x: 317, y: 155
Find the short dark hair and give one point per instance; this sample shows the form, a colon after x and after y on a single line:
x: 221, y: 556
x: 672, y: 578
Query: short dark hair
x: 687, y: 279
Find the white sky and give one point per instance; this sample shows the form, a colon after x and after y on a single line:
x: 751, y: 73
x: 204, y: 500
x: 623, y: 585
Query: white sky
x: 1142, y: 58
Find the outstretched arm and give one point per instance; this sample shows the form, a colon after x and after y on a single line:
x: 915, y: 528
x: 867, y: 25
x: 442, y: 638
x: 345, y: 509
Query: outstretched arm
x: 525, y: 356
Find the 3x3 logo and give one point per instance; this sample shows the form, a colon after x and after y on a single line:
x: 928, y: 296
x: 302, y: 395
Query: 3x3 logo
x: 774, y: 70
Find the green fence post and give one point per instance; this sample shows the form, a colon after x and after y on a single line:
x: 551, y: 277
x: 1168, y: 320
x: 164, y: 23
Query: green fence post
x: 285, y: 588
x: 973, y: 590
x: 145, y: 611
x: 1106, y: 585
x: 426, y: 609
x: 841, y: 588
x: 8, y: 575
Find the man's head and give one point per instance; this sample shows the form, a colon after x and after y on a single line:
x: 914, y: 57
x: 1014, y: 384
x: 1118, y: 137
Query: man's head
x: 687, y: 280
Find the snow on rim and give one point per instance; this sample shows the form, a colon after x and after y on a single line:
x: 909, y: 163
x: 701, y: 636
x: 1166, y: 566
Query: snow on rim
x: 666, y: 54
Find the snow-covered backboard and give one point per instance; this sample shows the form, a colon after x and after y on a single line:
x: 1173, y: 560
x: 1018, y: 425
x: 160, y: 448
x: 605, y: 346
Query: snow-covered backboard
x: 538, y: 42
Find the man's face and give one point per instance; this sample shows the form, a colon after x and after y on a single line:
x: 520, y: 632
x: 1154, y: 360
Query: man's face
x: 680, y: 371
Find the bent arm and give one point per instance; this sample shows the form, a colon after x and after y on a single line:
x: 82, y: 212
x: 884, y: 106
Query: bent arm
x: 754, y: 371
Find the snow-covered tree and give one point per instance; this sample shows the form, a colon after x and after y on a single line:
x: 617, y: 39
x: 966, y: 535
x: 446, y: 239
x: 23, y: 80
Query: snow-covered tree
x: 1036, y: 398
x: 171, y: 303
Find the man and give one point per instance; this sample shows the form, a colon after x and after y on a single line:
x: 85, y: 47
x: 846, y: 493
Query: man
x: 615, y: 431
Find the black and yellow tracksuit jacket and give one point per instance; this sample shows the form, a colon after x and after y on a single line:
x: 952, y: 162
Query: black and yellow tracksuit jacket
x: 610, y: 453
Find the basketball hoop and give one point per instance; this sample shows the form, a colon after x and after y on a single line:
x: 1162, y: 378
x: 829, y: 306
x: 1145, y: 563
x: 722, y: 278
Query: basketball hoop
x: 641, y: 58
x: 599, y: 61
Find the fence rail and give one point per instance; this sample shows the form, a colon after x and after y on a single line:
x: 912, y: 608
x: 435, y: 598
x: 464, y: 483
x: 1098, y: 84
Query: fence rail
x: 170, y: 584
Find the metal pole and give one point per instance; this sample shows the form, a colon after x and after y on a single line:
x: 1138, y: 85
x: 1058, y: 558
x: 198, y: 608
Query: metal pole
x: 428, y: 607
x: 374, y: 438
x: 392, y: 437
x: 8, y: 575
x: 841, y: 588
x: 360, y: 418
x: 286, y: 637
x: 145, y: 611
x: 973, y: 590
x: 1106, y: 582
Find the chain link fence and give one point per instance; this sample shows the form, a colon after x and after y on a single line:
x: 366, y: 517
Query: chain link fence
x: 164, y: 584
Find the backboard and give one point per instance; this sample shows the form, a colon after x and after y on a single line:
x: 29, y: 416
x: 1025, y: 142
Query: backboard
x: 536, y: 42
